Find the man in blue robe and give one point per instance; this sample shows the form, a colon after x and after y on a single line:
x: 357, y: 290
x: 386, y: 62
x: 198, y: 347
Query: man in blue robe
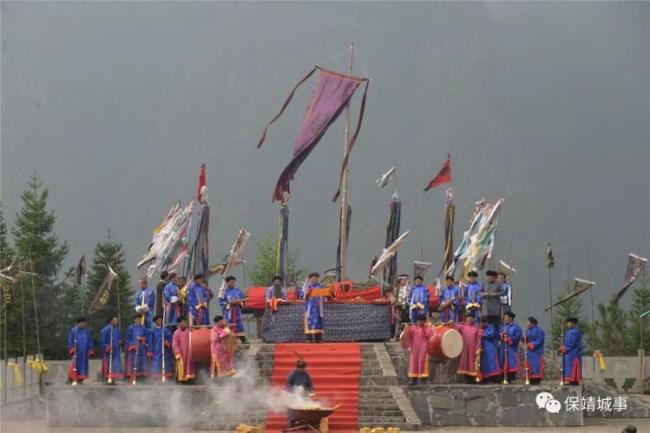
x: 510, y: 334
x: 145, y: 303
x: 80, y: 349
x: 450, y: 301
x: 314, y: 310
x: 490, y: 366
x: 275, y: 290
x: 159, y: 350
x: 275, y: 294
x: 197, y: 301
x: 535, y: 351
x: 299, y: 381
x: 136, y: 349
x: 506, y: 299
x: 472, y: 298
x: 571, y: 350
x: 110, y: 339
x: 232, y: 304
x: 172, y: 300
x: 419, y: 300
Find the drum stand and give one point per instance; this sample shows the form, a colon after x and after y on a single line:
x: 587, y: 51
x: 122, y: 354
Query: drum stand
x: 302, y: 425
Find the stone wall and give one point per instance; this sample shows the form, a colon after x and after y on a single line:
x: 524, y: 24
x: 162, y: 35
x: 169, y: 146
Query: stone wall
x: 490, y: 405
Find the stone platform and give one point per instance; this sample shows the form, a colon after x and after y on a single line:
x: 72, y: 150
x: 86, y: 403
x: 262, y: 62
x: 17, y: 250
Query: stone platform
x: 491, y: 405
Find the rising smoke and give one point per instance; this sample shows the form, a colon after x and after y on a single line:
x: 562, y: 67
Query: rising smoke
x: 243, y: 398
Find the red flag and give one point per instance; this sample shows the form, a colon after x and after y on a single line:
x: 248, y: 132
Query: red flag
x: 200, y: 192
x: 443, y: 176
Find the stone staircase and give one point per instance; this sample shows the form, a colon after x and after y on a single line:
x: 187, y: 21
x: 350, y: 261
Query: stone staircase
x: 382, y: 402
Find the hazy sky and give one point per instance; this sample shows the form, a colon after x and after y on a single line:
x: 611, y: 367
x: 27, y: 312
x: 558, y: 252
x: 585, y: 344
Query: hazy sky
x: 116, y: 105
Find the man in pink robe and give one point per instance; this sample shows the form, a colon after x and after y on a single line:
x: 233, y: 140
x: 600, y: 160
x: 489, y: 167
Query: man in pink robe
x: 471, y: 346
x: 222, y: 356
x: 181, y: 348
x: 416, y: 339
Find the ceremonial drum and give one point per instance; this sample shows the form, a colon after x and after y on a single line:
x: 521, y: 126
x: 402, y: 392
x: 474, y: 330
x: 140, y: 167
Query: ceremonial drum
x: 446, y: 343
x: 405, y: 339
x: 200, y: 345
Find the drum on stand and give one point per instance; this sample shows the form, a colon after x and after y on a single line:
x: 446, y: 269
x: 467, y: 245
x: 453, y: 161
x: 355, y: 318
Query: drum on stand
x: 200, y: 345
x: 446, y: 343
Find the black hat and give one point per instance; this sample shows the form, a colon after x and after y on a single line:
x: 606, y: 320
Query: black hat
x: 472, y: 274
x: 532, y: 320
x: 230, y: 278
x: 314, y: 274
x: 573, y: 320
x: 491, y: 273
x: 217, y: 319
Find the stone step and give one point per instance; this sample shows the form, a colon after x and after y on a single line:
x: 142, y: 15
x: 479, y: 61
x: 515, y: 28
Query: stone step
x: 380, y: 411
x: 385, y: 420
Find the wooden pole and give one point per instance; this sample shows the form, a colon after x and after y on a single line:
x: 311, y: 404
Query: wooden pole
x: 550, y: 298
x: 24, y: 326
x: 6, y: 357
x: 343, y: 226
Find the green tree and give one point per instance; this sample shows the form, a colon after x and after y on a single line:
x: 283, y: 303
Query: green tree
x: 640, y: 327
x: 612, y: 335
x: 266, y: 263
x: 570, y: 308
x: 110, y: 253
x: 6, y: 252
x: 40, y: 252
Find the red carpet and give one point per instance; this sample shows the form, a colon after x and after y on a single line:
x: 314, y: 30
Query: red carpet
x: 335, y: 369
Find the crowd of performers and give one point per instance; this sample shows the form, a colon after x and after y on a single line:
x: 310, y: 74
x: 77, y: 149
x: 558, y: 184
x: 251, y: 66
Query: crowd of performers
x: 158, y: 345
x: 481, y: 313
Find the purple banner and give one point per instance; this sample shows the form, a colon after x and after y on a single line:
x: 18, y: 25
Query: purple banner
x: 330, y: 97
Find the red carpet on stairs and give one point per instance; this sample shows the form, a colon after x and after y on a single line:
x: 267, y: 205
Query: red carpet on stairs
x: 335, y: 369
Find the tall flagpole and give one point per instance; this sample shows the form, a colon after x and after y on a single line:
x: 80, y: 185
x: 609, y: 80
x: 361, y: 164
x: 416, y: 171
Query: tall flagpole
x: 343, y: 226
x: 550, y: 298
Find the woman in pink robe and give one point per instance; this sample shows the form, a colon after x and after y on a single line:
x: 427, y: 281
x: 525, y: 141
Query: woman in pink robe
x: 221, y: 354
x: 416, y: 339
x: 181, y: 348
x: 471, y: 344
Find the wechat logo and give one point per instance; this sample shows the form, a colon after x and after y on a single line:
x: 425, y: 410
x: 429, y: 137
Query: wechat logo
x: 545, y: 400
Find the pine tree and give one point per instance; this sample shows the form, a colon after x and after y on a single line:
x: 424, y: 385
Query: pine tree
x: 640, y: 327
x: 570, y: 308
x: 110, y: 253
x: 266, y: 263
x: 6, y: 252
x: 613, y: 336
x: 39, y: 251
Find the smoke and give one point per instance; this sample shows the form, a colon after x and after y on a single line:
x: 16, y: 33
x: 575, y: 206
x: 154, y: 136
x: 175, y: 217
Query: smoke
x: 243, y: 398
